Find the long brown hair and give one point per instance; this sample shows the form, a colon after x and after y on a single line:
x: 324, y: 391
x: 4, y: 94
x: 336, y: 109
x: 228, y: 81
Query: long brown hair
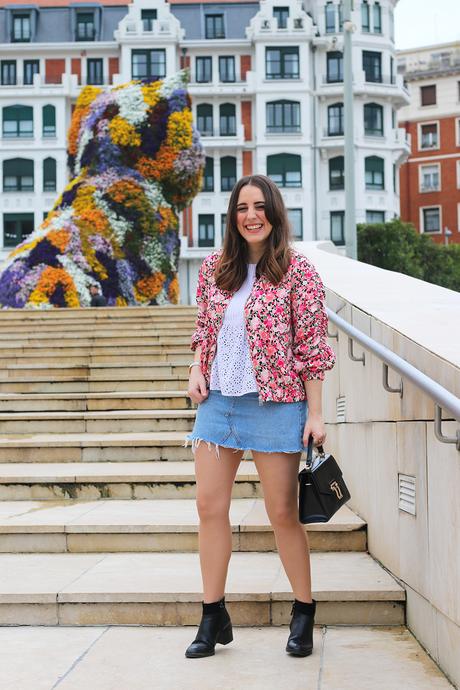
x: 231, y: 269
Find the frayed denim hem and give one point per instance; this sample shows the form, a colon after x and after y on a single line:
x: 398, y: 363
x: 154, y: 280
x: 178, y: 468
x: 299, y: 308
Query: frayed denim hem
x: 195, y: 442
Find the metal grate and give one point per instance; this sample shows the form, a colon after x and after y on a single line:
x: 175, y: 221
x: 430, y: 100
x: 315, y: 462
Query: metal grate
x: 340, y: 408
x: 407, y: 493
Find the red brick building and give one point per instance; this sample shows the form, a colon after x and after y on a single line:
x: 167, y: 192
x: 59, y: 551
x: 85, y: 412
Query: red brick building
x: 430, y: 179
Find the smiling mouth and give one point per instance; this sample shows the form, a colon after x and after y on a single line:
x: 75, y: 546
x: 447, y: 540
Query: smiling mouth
x: 254, y: 228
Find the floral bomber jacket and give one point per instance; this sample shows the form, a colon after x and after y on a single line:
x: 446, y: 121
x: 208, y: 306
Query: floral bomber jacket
x: 286, y: 325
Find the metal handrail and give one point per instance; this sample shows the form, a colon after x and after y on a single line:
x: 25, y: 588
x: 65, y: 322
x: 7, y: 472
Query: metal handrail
x: 443, y: 398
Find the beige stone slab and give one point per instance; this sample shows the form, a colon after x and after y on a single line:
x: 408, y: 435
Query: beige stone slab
x: 345, y: 576
x: 377, y: 659
x: 110, y: 414
x: 86, y: 440
x: 37, y: 578
x: 344, y: 519
x: 94, y: 471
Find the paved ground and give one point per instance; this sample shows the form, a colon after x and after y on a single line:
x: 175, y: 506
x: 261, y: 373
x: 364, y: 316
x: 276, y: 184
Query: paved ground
x: 152, y: 658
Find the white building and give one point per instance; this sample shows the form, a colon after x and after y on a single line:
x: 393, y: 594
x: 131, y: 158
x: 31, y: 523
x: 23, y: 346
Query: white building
x: 267, y: 94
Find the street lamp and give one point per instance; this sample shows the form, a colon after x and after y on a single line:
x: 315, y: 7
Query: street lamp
x: 350, y: 201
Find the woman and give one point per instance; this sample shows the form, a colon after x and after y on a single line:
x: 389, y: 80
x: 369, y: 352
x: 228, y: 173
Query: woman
x: 260, y: 354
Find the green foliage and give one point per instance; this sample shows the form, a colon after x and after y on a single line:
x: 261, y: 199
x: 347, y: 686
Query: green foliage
x: 397, y: 246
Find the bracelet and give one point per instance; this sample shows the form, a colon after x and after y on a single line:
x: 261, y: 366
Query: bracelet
x: 193, y: 364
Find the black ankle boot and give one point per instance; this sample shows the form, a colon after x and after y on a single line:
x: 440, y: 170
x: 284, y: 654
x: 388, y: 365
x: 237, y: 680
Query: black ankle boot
x: 215, y: 626
x: 300, y: 642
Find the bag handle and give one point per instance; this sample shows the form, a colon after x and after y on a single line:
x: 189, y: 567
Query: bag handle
x: 309, y: 458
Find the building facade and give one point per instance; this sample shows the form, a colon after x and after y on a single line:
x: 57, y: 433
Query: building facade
x: 430, y: 178
x: 267, y: 97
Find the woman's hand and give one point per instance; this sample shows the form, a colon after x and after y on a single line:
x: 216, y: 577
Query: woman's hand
x: 314, y: 426
x: 197, y: 390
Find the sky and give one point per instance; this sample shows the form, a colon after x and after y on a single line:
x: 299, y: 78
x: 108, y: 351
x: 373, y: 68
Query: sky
x: 426, y: 22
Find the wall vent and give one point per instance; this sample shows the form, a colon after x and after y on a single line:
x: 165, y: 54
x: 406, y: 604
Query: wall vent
x: 340, y: 408
x: 406, y: 493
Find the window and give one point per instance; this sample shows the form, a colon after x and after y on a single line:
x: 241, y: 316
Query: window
x: 391, y: 21
x: 281, y: 14
x: 31, y: 67
x: 377, y: 18
x: 285, y: 169
x: 295, y: 219
x: 393, y: 118
x: 16, y: 227
x: 335, y: 120
x: 429, y: 136
x: 227, y: 120
x: 374, y: 169
x: 340, y: 11
x: 330, y: 18
x: 428, y: 95
x: 223, y: 224
x: 148, y: 64
x: 49, y: 175
x: 94, y: 71
x: 214, y: 26
x: 208, y: 177
x: 206, y: 230
x: 373, y: 120
x: 148, y: 17
x: 429, y: 178
x: 18, y: 121
x: 372, y: 65
x: 338, y: 227
x: 8, y: 72
x: 375, y: 216
x: 334, y: 67
x: 85, y: 28
x: 49, y: 121
x: 227, y: 173
x: 204, y: 119
x: 203, y: 69
x: 431, y: 219
x: 365, y: 17
x: 282, y: 63
x: 283, y: 116
x: 227, y: 68
x: 336, y: 173
x: 18, y: 175
x: 22, y: 31
x: 395, y: 184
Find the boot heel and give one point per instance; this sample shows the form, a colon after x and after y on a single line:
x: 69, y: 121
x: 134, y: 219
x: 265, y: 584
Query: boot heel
x: 225, y: 635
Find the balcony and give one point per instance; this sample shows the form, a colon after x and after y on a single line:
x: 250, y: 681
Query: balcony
x: 220, y: 88
x: 386, y: 85
x: 213, y: 138
x: 165, y: 29
x: 261, y: 27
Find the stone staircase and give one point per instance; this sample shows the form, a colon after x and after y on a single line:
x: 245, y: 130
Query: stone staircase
x: 98, y: 523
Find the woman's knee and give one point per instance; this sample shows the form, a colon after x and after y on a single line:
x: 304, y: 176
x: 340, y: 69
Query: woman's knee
x: 283, y: 515
x: 211, y: 507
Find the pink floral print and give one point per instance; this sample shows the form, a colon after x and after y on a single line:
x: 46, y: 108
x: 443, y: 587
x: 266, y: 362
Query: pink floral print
x: 286, y: 326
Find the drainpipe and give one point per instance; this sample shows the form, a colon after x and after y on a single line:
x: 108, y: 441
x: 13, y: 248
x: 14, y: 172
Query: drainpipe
x: 314, y: 145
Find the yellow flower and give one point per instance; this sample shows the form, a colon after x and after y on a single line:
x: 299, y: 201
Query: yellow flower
x: 179, y: 132
x: 150, y: 93
x: 87, y: 96
x: 123, y: 133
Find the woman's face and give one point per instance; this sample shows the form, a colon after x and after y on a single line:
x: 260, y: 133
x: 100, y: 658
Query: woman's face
x: 251, y: 221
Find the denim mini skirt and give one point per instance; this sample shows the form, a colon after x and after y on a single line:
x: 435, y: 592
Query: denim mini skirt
x: 241, y: 423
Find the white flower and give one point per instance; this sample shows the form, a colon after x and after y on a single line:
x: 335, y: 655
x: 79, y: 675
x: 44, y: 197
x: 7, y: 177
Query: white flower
x: 132, y: 106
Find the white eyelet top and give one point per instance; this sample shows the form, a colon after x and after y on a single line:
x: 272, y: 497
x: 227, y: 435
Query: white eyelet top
x: 232, y: 372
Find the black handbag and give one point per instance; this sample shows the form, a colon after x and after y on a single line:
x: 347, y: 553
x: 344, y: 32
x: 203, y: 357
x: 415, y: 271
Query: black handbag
x: 322, y: 489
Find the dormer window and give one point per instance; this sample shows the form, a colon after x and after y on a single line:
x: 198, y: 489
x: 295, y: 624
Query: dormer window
x: 85, y: 27
x: 214, y: 26
x: 281, y: 14
x: 148, y: 17
x: 21, y: 28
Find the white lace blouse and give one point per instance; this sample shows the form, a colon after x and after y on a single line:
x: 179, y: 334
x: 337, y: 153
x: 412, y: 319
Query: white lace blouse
x: 232, y: 372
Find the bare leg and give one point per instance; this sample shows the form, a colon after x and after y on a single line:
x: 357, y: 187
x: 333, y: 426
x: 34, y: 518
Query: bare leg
x: 214, y: 479
x: 278, y: 474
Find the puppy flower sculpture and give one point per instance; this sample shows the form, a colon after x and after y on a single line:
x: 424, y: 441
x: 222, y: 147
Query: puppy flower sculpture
x: 136, y: 161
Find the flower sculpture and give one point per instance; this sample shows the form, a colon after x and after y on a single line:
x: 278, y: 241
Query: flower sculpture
x: 136, y: 161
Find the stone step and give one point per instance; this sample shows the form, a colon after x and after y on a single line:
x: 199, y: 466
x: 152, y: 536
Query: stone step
x: 92, y: 384
x: 153, y: 525
x: 88, y: 448
x: 124, y: 480
x: 178, y: 356
x: 166, y: 312
x: 138, y: 341
x: 96, y: 372
x: 80, y: 402
x: 94, y: 349
x: 116, y: 657
x: 133, y: 325
x: 166, y: 589
x: 105, y: 422
x: 106, y: 332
